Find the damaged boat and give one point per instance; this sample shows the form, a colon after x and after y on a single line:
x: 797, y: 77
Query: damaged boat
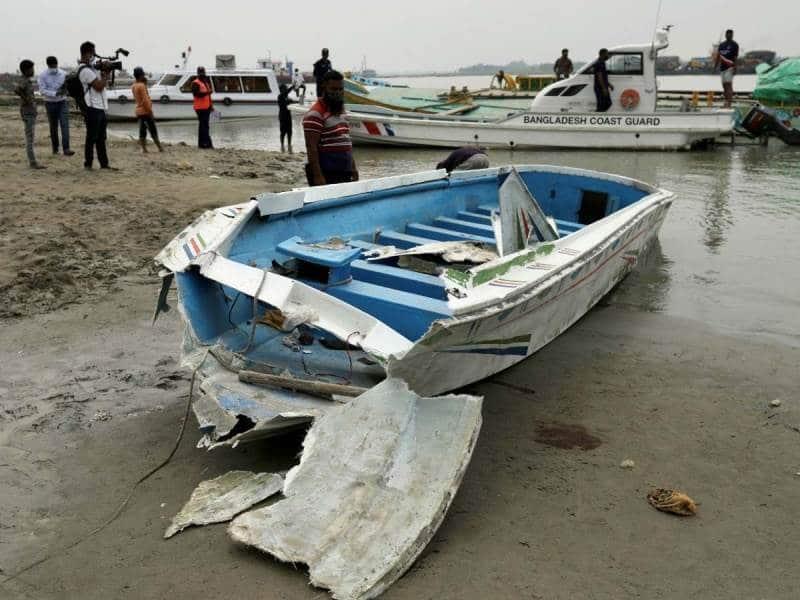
x: 356, y: 305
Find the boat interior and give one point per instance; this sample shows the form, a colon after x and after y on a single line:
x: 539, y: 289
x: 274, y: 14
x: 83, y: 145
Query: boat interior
x: 325, y: 243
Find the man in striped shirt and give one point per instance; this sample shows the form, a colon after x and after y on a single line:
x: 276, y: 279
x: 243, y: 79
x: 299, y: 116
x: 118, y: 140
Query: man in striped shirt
x: 328, y: 143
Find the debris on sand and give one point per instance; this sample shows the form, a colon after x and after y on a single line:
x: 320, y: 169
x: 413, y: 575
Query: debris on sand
x: 222, y: 498
x: 627, y: 464
x: 672, y: 501
x: 374, y: 483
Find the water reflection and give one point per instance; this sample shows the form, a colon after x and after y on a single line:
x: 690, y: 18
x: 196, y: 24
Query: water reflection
x: 717, y: 216
x: 647, y: 286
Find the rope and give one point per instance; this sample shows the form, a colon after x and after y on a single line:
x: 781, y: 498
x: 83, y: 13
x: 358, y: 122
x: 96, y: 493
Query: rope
x: 252, y: 336
x: 127, y: 499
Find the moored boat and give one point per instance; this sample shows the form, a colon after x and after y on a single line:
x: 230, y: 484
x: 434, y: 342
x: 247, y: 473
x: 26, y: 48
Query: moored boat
x: 236, y: 93
x: 563, y: 115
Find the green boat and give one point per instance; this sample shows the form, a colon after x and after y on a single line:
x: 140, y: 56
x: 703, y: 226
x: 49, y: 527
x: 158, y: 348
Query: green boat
x: 464, y: 104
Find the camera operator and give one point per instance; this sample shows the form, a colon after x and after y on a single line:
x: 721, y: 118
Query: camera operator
x: 94, y: 78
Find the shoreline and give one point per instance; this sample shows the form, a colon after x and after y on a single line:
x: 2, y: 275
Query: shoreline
x: 93, y: 397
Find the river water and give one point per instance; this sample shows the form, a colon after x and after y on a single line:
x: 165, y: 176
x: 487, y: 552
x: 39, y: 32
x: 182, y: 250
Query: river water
x: 728, y: 251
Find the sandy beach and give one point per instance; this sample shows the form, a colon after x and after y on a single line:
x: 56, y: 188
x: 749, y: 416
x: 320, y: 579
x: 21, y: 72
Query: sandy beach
x: 92, y: 397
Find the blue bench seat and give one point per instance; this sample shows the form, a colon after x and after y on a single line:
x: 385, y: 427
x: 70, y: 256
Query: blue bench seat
x: 475, y: 217
x: 297, y: 248
x: 398, y: 279
x: 464, y: 226
x: 409, y: 314
x: 445, y: 235
x: 403, y: 240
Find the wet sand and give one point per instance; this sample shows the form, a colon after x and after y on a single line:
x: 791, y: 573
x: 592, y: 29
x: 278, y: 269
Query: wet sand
x: 92, y: 397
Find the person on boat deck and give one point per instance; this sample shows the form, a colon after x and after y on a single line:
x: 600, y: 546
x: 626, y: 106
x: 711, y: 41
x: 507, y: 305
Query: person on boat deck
x: 51, y: 86
x: 602, y: 87
x: 327, y: 133
x: 203, y: 107
x: 299, y: 83
x: 500, y: 77
x: 284, y: 116
x: 563, y: 66
x: 727, y: 53
x: 464, y: 159
x: 321, y: 67
x: 144, y: 110
x: 27, y: 109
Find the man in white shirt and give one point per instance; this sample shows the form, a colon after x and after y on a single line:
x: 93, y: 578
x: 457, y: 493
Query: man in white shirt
x: 299, y: 83
x: 51, y: 86
x: 94, y: 83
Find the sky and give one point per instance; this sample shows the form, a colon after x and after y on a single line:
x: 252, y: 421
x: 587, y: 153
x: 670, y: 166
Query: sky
x: 402, y: 36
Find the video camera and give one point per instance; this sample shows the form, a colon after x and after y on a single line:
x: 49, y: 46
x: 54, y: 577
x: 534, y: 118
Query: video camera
x: 109, y: 63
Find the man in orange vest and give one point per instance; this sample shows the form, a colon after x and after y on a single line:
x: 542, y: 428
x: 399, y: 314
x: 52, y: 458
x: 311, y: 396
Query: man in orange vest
x: 201, y: 90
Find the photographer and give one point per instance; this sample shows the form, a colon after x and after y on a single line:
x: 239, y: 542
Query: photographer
x: 94, y: 78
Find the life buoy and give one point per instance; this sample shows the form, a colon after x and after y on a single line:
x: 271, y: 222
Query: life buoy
x: 629, y: 99
x: 227, y: 101
x: 796, y: 112
x: 122, y: 99
x: 164, y: 99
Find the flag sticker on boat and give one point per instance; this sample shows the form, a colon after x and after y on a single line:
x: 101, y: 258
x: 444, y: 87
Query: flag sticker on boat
x: 378, y: 128
x: 517, y: 345
x: 192, y: 248
x: 540, y: 266
x: 506, y: 283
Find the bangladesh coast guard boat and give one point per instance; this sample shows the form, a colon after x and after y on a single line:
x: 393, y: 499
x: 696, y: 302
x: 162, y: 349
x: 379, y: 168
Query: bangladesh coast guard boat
x: 563, y: 115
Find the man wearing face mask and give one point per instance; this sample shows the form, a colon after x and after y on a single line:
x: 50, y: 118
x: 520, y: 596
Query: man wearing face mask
x: 328, y: 143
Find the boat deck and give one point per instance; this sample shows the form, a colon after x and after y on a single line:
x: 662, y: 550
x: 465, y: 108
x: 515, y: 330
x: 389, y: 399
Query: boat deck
x: 406, y: 299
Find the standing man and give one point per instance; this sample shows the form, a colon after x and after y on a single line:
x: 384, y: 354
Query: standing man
x: 727, y: 53
x: 328, y: 143
x: 284, y: 116
x: 299, y: 83
x: 51, y: 86
x: 144, y: 110
x: 27, y: 109
x: 94, y: 85
x: 602, y: 88
x: 201, y: 90
x: 321, y: 67
x: 563, y: 66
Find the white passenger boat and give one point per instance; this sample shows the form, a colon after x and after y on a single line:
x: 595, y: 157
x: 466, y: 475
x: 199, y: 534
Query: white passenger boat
x: 236, y: 93
x: 563, y: 115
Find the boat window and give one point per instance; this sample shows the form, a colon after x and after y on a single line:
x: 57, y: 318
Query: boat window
x: 593, y: 206
x: 556, y: 91
x: 255, y: 85
x: 169, y: 79
x: 573, y: 89
x: 186, y: 88
x: 625, y: 63
x: 227, y: 84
